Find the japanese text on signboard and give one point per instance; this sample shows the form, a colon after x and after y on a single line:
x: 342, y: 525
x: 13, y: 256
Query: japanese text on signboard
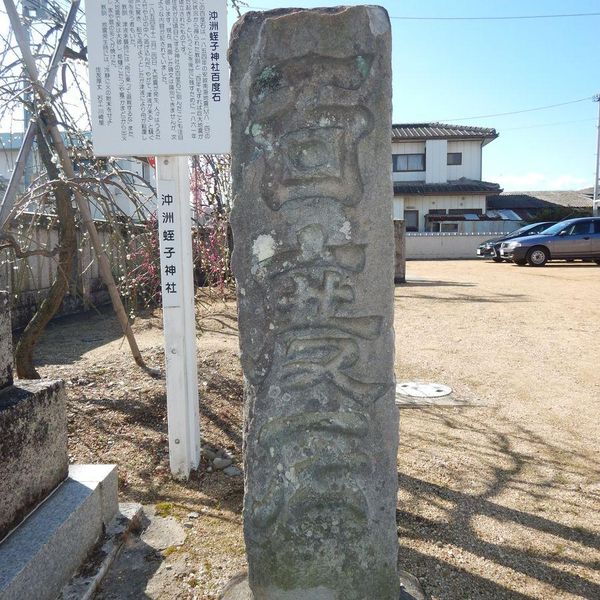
x: 171, y: 261
x: 158, y: 76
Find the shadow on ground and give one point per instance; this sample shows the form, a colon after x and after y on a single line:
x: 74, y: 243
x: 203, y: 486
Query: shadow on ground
x: 531, y: 551
x: 74, y: 335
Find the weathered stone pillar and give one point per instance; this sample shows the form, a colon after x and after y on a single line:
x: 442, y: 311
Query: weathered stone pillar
x: 400, y: 256
x: 314, y: 262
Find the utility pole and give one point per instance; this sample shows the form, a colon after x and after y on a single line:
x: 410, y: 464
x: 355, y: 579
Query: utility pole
x: 595, y: 205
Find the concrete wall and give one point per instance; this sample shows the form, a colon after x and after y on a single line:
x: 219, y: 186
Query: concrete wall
x: 436, y: 246
x: 29, y: 279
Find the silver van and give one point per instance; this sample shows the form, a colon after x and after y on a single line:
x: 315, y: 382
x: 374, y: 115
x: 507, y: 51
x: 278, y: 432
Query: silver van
x: 567, y: 240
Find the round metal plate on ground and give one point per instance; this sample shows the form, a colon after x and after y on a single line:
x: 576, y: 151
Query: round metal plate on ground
x: 416, y: 389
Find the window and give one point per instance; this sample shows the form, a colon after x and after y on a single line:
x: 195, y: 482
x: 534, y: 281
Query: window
x: 408, y: 162
x: 411, y: 218
x: 454, y: 158
x: 596, y: 226
x: 580, y: 228
x: 437, y: 211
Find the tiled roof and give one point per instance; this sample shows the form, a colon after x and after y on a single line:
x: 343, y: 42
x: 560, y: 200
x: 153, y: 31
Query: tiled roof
x: 525, y: 200
x: 461, y: 186
x: 428, y: 131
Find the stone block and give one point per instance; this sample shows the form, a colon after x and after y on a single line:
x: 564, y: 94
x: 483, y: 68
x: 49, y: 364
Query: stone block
x: 400, y: 253
x: 33, y: 447
x: 314, y: 263
x: 43, y: 553
x: 6, y: 354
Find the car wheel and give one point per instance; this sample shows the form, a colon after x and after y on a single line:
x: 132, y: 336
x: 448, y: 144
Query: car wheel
x: 520, y: 262
x: 538, y: 256
x: 497, y: 259
x: 597, y: 261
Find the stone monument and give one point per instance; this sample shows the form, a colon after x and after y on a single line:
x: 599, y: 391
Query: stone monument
x: 33, y: 435
x: 314, y: 262
x: 52, y: 514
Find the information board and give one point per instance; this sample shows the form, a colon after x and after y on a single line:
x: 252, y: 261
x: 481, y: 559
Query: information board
x: 159, y: 77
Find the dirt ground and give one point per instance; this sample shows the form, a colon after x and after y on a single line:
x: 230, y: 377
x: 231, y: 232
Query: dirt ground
x: 497, y: 500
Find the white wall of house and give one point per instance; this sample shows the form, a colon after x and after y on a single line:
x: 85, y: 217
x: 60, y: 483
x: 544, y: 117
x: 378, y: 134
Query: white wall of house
x: 437, y: 169
x: 471, y: 160
x: 424, y: 204
x: 436, y: 155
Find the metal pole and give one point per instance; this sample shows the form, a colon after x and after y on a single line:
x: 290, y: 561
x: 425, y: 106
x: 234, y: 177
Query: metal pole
x: 596, y: 207
x: 7, y: 203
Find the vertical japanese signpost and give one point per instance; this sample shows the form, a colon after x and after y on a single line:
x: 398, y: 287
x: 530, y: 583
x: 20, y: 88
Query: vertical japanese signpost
x: 159, y: 87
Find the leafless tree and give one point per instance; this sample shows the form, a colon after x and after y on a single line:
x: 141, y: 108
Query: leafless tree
x: 69, y: 171
x: 71, y: 179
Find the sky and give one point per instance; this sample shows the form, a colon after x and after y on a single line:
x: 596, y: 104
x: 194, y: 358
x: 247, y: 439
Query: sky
x: 450, y: 70
x: 459, y: 71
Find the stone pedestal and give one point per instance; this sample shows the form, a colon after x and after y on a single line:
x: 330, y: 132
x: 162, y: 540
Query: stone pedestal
x: 33, y: 436
x: 49, y: 522
x: 239, y: 589
x: 33, y: 447
x: 314, y: 262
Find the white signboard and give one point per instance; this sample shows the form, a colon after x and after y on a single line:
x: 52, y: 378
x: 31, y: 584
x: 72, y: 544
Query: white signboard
x: 169, y: 231
x: 159, y: 77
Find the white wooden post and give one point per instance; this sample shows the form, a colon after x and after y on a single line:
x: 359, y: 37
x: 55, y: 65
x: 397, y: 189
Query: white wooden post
x: 176, y: 265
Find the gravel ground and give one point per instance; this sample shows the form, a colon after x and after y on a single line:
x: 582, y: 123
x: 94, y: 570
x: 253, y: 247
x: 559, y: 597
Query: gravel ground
x: 501, y: 500
x: 498, y: 500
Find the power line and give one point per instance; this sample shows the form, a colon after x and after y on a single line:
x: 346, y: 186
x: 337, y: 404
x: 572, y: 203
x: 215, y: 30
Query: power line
x: 517, y: 112
x: 497, y: 18
x: 546, y: 125
x: 500, y: 18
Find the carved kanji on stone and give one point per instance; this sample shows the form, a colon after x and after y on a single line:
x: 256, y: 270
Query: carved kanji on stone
x: 311, y: 109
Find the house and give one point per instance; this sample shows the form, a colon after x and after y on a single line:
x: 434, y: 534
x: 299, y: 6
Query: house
x: 544, y: 205
x: 437, y: 175
x: 136, y: 171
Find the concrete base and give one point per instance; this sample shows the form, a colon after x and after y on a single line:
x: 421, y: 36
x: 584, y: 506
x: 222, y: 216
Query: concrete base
x: 238, y: 588
x: 41, y: 555
x: 33, y: 447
